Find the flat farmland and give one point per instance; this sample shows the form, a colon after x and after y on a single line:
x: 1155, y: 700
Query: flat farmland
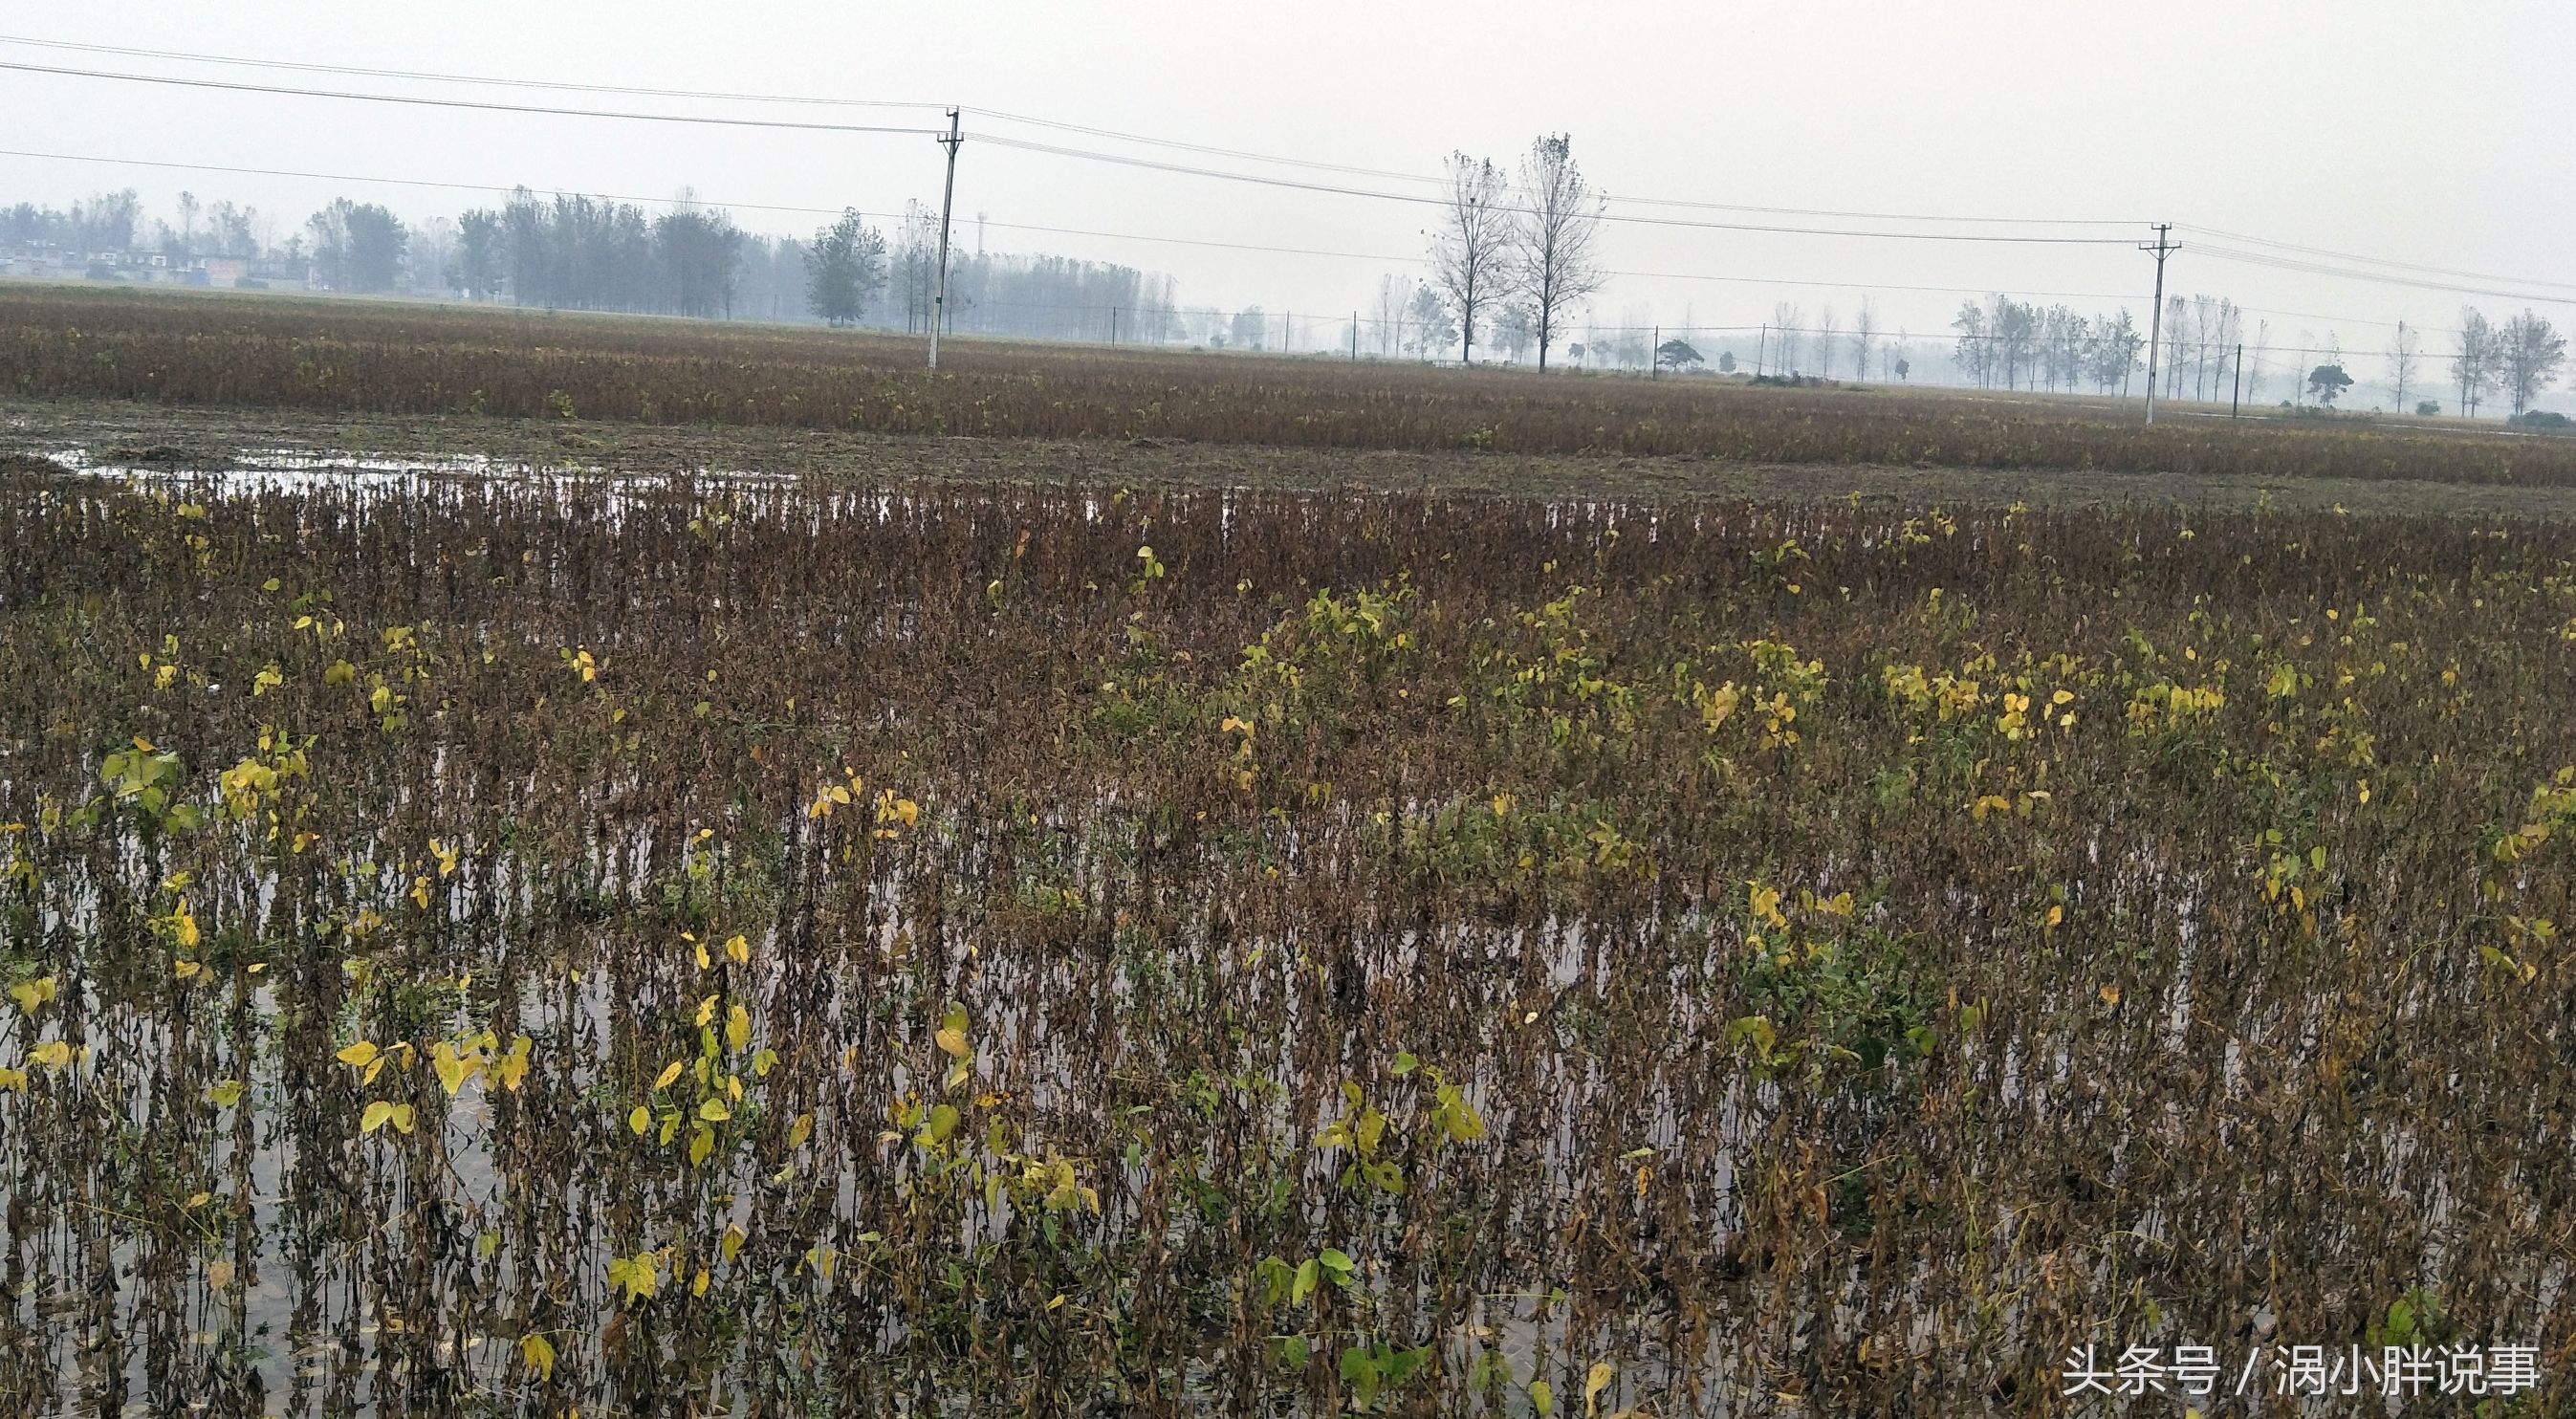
x: 751, y: 907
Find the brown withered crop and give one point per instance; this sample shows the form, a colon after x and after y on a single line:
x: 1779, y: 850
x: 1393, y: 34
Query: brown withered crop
x: 487, y: 947
x: 345, y: 356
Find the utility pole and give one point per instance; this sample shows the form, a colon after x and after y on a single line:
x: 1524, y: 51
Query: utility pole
x: 2236, y: 400
x: 1760, y: 344
x: 2156, y: 316
x: 1113, y: 326
x: 947, y: 198
x: 1355, y: 337
x: 1655, y: 356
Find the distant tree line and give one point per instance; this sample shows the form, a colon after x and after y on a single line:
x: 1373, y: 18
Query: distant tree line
x: 573, y: 252
x: 114, y: 222
x: 2018, y: 345
x: 1512, y: 268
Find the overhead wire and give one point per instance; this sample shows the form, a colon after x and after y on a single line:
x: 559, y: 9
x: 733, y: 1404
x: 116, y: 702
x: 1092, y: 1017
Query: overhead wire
x: 1007, y: 116
x: 429, y: 102
x: 1098, y: 233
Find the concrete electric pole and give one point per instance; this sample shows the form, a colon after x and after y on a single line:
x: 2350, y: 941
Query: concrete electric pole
x: 952, y: 140
x: 2156, y: 316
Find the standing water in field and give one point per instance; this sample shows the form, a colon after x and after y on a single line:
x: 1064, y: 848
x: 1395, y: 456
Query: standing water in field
x: 478, y: 946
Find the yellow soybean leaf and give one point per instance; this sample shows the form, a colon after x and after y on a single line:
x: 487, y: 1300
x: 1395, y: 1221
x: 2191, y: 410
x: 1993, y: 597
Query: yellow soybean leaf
x: 706, y: 1011
x: 714, y: 1111
x: 730, y: 1245
x: 452, y: 1068
x: 738, y: 1028
x: 514, y: 1066
x: 225, y: 1093
x: 376, y: 1116
x: 1595, y: 1382
x: 53, y: 1054
x: 739, y: 949
x: 951, y: 1037
x: 669, y: 1072
x: 32, y: 993
x: 358, y: 1055
x: 1542, y: 1398
x: 701, y: 1144
x: 640, y: 1120
x: 539, y: 1353
x: 402, y: 1118
x: 800, y: 1130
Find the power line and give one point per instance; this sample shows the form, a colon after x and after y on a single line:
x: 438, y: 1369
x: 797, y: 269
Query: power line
x: 2378, y: 261
x: 1265, y: 248
x: 432, y: 77
x: 418, y: 182
x: 1004, y: 140
x: 1117, y: 135
x: 1003, y: 116
x: 459, y: 103
x: 1125, y: 160
x: 1435, y: 179
x: 2279, y: 263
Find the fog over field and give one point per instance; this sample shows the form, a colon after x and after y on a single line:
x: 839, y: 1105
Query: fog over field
x: 2408, y: 142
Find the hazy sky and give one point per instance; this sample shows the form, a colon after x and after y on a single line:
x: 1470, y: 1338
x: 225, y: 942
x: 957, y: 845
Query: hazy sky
x: 2431, y: 134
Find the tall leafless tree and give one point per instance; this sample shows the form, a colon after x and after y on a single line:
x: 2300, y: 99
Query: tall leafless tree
x: 1394, y: 293
x: 1864, y: 330
x: 2528, y: 354
x: 1786, y: 319
x: 2403, y: 347
x: 2177, y: 344
x: 1555, y: 225
x: 1828, y: 326
x: 2473, y: 361
x: 1470, y: 252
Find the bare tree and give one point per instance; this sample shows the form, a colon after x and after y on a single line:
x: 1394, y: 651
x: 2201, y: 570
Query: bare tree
x: 1556, y: 224
x: 2177, y: 344
x: 1432, y: 331
x: 1512, y: 331
x: 1394, y: 293
x: 1828, y: 325
x: 2473, y: 362
x: 1785, y: 320
x: 2402, y: 350
x: 1864, y: 329
x: 1975, y: 355
x: 2528, y: 354
x: 1469, y: 252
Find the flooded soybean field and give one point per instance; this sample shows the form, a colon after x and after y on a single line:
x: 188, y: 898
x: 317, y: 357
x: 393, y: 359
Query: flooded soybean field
x: 484, y: 946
